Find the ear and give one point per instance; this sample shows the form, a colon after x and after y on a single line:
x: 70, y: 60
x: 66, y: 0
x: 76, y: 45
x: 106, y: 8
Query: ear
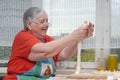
x: 28, y: 24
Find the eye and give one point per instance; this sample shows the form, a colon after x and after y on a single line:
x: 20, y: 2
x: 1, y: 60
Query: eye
x: 42, y: 21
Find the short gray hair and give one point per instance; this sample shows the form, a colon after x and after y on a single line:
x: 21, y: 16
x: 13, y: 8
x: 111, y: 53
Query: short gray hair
x: 31, y: 14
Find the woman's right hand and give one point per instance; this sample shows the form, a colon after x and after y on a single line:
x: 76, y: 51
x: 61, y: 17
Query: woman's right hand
x: 84, y: 31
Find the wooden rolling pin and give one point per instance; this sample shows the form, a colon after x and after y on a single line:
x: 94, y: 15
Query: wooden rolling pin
x: 83, y: 76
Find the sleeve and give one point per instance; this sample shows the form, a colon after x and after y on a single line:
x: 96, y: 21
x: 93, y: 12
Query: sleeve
x: 23, y: 43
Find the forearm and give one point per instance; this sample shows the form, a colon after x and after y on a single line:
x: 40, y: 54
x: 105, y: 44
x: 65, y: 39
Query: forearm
x: 65, y: 54
x: 68, y: 52
x: 53, y: 47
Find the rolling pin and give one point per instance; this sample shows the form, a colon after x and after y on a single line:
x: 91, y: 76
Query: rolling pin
x: 83, y: 76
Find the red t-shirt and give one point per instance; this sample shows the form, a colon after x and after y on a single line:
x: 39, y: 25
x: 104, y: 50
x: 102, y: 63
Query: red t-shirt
x: 21, y: 48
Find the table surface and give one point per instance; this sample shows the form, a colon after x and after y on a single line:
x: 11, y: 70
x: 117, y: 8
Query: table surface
x: 59, y: 78
x: 3, y: 71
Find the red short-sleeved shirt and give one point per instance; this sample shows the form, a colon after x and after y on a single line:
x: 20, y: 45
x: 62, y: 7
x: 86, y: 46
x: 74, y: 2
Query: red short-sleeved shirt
x: 22, y: 45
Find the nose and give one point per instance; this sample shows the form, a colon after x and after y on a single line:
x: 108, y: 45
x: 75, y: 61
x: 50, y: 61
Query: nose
x: 46, y: 24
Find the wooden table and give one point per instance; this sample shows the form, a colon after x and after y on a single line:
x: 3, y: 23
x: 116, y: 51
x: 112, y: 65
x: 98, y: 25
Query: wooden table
x: 87, y: 74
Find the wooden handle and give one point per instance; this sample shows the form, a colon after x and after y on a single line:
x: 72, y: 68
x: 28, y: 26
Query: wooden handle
x: 78, y: 67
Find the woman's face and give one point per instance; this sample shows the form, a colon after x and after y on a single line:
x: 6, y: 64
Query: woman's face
x: 39, y: 27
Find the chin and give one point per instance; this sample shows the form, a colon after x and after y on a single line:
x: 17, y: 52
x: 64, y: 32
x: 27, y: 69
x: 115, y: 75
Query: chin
x: 43, y: 36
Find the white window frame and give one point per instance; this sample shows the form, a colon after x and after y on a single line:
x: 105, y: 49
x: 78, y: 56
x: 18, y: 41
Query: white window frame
x: 103, y: 19
x: 102, y: 31
x: 102, y: 34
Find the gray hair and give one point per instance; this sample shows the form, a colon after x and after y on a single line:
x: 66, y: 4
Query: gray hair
x: 31, y: 14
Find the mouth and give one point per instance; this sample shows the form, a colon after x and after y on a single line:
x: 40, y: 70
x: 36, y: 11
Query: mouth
x: 44, y: 29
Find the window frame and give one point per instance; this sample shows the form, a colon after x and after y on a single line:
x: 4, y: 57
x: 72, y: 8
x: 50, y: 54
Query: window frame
x: 102, y: 34
x: 102, y: 15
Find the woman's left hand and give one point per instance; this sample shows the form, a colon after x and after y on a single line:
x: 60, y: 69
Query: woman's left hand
x: 90, y: 29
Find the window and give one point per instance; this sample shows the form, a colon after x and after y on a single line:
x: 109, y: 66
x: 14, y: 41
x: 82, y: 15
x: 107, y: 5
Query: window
x: 66, y: 15
x: 11, y: 22
x: 115, y: 27
x: 11, y: 15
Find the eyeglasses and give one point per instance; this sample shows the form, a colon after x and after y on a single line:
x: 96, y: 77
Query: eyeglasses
x: 49, y: 24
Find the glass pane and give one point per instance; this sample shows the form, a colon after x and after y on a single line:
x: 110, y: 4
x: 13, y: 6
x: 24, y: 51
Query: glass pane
x: 11, y: 14
x: 5, y: 52
x: 88, y: 55
x: 66, y: 15
x: 115, y: 27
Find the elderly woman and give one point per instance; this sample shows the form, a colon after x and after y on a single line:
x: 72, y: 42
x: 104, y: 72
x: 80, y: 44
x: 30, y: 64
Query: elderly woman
x: 34, y: 53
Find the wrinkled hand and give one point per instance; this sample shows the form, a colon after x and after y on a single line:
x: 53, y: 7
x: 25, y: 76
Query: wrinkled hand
x: 90, y: 29
x: 84, y: 31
